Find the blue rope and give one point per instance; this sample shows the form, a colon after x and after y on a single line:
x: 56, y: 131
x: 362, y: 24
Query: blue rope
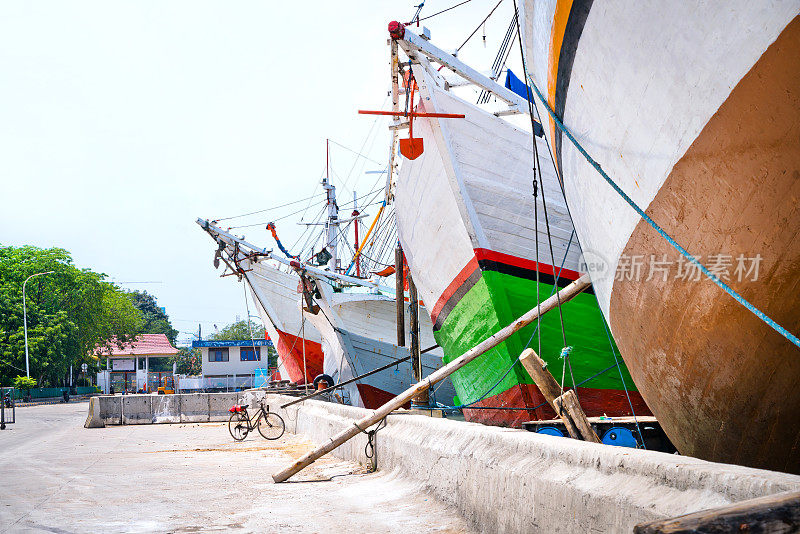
x: 579, y: 384
x: 621, y: 377
x: 271, y: 228
x: 461, y: 406
x: 725, y: 287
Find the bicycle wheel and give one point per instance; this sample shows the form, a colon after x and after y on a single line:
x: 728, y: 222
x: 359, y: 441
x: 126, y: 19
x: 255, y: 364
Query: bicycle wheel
x: 271, y: 426
x: 238, y: 426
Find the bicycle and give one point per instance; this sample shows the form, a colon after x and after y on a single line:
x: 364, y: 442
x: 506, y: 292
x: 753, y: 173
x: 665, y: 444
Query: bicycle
x: 269, y: 424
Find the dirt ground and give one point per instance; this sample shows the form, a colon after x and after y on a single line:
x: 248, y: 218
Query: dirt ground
x: 56, y: 476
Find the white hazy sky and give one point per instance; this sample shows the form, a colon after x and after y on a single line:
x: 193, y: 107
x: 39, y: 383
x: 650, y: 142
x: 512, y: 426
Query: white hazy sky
x: 122, y: 122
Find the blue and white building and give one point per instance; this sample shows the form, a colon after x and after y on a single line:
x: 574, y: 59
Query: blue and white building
x: 233, y: 364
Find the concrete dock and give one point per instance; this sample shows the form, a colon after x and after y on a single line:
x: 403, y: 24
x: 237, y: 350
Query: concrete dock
x: 57, y: 476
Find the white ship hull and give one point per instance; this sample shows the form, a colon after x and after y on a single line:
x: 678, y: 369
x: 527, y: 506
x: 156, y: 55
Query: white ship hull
x: 693, y: 109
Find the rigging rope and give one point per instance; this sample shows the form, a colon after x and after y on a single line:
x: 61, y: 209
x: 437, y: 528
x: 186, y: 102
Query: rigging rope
x: 417, y: 12
x: 538, y: 168
x: 725, y: 287
x: 269, y: 209
x: 274, y: 220
x: 271, y: 228
x: 359, y: 154
x: 621, y: 377
x: 502, y: 56
x: 437, y: 13
x: 535, y: 331
x: 478, y: 28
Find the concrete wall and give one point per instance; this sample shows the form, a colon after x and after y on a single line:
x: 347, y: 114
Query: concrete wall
x: 507, y: 480
x: 153, y: 409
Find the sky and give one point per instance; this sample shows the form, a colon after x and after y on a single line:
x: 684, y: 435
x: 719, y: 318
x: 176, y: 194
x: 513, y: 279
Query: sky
x: 122, y: 122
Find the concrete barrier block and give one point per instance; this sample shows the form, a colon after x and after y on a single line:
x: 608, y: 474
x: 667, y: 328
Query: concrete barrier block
x: 166, y: 409
x: 110, y: 409
x: 137, y: 409
x: 93, y: 419
x: 194, y: 407
x: 219, y: 404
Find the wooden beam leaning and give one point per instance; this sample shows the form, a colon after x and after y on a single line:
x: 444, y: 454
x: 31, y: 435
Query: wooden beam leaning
x: 547, y: 385
x: 492, y: 341
x: 566, y: 405
x: 774, y: 513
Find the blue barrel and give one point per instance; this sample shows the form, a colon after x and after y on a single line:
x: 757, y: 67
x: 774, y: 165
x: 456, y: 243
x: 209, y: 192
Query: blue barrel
x: 619, y: 436
x: 550, y: 431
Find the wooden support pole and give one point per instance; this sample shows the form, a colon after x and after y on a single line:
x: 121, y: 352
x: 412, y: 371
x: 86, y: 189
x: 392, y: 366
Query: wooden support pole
x: 566, y: 405
x: 547, y: 385
x: 364, y: 423
x: 773, y: 513
x: 399, y: 292
x: 416, y: 360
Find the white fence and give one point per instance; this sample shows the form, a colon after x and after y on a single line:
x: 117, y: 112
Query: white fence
x: 215, y: 383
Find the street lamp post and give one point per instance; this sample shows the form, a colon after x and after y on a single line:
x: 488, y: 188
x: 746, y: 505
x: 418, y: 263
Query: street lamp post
x: 25, y: 321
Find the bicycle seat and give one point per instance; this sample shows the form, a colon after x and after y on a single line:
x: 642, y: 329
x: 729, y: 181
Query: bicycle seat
x: 243, y: 406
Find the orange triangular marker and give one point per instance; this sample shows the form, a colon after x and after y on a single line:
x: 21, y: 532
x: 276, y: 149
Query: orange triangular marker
x: 412, y: 147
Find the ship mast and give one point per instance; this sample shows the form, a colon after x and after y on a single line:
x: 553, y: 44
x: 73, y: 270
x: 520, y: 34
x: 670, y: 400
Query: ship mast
x: 332, y: 223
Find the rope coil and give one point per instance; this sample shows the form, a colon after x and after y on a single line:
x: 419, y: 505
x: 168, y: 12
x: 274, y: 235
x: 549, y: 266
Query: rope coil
x: 369, y: 448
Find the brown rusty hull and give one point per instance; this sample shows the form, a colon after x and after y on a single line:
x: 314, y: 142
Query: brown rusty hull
x: 724, y: 385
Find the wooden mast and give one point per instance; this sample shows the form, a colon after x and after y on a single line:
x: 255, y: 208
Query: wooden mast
x: 416, y: 362
x: 399, y: 290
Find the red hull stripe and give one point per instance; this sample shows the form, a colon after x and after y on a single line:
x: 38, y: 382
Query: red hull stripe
x: 373, y: 398
x: 488, y: 260
x: 483, y: 254
x: 470, y: 269
x: 595, y: 402
x: 290, y: 349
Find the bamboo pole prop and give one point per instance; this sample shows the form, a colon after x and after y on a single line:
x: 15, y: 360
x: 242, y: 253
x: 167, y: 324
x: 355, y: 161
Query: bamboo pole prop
x: 487, y: 344
x: 359, y: 377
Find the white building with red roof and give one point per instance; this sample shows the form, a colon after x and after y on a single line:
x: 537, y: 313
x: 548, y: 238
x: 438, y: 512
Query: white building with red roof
x: 128, y: 364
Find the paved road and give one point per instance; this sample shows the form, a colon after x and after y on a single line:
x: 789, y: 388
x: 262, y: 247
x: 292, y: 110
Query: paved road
x: 56, y: 476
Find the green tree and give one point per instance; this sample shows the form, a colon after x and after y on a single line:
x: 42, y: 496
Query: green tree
x: 25, y: 384
x: 156, y: 321
x: 188, y: 361
x: 238, y: 331
x: 70, y: 312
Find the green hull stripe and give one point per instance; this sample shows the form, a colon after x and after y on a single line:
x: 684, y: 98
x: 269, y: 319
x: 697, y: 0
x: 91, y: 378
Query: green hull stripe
x: 497, y: 300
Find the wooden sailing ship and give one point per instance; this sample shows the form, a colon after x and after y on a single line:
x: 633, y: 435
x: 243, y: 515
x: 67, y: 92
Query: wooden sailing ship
x: 465, y: 217
x: 274, y: 292
x: 348, y: 323
x: 694, y: 110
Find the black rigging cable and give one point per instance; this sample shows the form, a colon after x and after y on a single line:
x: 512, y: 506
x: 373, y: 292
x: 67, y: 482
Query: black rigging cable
x: 537, y: 169
x: 478, y: 28
x: 502, y: 56
x: 269, y: 209
x: 438, y: 12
